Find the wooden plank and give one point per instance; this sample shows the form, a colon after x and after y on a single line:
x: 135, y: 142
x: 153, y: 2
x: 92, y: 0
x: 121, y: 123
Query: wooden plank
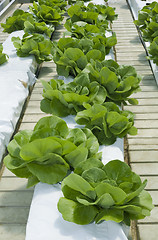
x: 142, y: 142
x: 27, y: 126
x: 36, y: 97
x: 147, y: 155
x: 149, y: 88
x: 22, y: 198
x: 146, y: 123
x: 148, y: 231
x: 142, y: 109
x: 140, y: 95
x: 33, y: 118
x: 12, y: 231
x: 126, y: 49
x: 151, y: 133
x: 154, y: 195
x: 152, y: 184
x: 14, y: 214
x: 148, y: 102
x: 145, y: 168
x: 145, y: 147
x: 9, y: 183
x: 153, y: 218
x: 148, y: 82
x: 138, y: 65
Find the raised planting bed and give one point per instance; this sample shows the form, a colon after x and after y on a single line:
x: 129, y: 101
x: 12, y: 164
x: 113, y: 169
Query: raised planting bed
x: 17, y: 75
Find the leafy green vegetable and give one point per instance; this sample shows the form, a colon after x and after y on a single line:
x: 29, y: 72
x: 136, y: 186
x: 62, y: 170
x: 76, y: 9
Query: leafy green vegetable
x: 100, y: 43
x: 153, y: 51
x: 82, y: 29
x: 32, y: 26
x: 148, y: 21
x: 3, y: 57
x: 72, y: 55
x: 98, y: 15
x: 104, y: 11
x: 77, y: 14
x: 48, y: 152
x: 53, y: 3
x: 16, y: 21
x: 119, y: 81
x: 47, y: 14
x: 34, y: 44
x: 65, y: 99
x: 91, y: 197
x: 107, y: 122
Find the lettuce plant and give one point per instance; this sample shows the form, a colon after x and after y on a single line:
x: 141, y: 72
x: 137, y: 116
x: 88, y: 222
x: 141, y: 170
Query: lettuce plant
x: 32, y: 27
x: 104, y: 11
x: 65, y: 99
x: 107, y: 122
x: 78, y: 12
x: 119, y: 81
x: 71, y: 56
x: 148, y: 21
x: 53, y: 3
x: 47, y: 14
x: 153, y: 51
x: 101, y: 43
x: 16, y: 21
x: 111, y: 193
x: 48, y: 153
x: 82, y: 29
x: 34, y: 44
x: 99, y: 15
x: 3, y: 57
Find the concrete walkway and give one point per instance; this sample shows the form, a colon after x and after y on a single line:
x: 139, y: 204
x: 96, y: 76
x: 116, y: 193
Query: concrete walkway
x: 143, y: 148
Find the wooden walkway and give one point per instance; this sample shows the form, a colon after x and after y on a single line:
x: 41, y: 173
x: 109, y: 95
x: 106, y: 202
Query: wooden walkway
x: 15, y: 199
x: 143, y: 148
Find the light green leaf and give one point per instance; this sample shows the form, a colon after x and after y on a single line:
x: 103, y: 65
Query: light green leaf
x: 75, y: 212
x: 39, y: 148
x: 77, y: 183
x: 110, y: 215
x: 117, y: 194
x: 50, y: 171
x: 77, y: 156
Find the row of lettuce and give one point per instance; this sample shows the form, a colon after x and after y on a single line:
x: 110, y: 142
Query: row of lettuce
x: 52, y: 152
x: 148, y: 24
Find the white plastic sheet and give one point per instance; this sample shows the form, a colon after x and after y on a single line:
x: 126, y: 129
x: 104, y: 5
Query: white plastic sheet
x: 15, y: 78
x: 45, y: 222
x: 136, y: 5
